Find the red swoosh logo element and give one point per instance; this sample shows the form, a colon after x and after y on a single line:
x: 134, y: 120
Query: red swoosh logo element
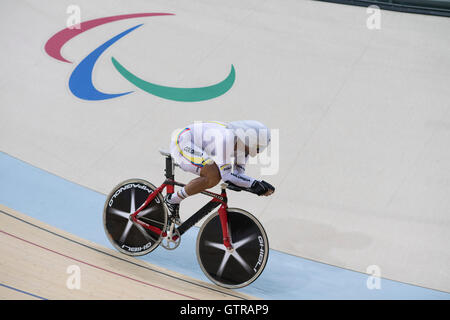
x: 55, y: 43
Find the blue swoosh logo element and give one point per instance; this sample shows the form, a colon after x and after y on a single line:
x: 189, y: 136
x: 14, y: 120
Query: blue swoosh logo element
x: 80, y: 82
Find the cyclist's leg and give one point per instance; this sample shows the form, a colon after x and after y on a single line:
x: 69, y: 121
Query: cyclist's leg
x: 209, y: 177
x: 192, y: 159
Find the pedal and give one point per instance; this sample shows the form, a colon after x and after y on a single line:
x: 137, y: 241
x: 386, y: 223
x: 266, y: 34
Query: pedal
x: 172, y: 238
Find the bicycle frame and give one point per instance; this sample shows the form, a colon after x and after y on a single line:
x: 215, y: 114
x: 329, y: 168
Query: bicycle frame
x: 169, y: 184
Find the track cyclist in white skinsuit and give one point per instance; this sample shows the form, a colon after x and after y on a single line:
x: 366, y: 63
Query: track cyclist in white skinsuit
x: 218, y: 151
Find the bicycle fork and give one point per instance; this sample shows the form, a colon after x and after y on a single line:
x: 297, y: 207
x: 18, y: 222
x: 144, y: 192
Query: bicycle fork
x: 222, y: 199
x: 225, y: 230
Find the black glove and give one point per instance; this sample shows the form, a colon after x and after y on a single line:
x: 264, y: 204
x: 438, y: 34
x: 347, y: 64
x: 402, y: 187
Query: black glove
x: 260, y: 187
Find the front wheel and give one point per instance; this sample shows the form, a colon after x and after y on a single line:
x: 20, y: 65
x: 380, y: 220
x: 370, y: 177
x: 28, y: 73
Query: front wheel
x: 244, y: 264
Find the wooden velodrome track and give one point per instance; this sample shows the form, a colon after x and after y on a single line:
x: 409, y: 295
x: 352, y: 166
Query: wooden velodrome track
x: 35, y: 258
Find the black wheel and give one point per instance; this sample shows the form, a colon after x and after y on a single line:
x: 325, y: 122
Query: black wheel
x: 245, y: 262
x: 126, y: 236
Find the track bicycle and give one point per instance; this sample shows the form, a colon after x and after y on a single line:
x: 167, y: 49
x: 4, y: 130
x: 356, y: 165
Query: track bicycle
x: 232, y: 245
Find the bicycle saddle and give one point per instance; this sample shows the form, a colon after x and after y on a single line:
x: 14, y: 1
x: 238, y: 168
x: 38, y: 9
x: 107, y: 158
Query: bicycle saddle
x: 164, y: 152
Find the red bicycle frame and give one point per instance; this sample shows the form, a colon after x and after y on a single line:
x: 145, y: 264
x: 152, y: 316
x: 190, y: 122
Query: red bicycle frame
x: 169, y: 183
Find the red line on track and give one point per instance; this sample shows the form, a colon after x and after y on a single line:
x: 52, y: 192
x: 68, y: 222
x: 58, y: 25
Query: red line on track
x: 97, y: 267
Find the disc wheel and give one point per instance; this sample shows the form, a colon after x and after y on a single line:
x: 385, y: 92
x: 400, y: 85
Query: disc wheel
x: 124, y: 234
x: 241, y: 266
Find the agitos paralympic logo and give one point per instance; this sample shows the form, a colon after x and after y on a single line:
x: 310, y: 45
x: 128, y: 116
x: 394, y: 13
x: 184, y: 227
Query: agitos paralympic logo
x: 80, y: 82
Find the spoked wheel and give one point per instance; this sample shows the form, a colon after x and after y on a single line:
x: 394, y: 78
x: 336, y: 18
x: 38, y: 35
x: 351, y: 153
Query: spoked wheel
x: 126, y: 236
x: 245, y: 262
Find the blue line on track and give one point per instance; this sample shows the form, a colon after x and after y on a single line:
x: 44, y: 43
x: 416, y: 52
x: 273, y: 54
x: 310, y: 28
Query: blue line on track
x: 21, y: 291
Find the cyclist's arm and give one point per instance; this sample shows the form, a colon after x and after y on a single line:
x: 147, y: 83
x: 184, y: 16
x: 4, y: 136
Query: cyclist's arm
x: 239, y: 166
x: 236, y: 178
x: 259, y: 187
x: 224, y: 160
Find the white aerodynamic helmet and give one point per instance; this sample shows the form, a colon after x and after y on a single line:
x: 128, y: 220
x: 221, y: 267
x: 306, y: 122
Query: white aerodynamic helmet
x: 254, y: 134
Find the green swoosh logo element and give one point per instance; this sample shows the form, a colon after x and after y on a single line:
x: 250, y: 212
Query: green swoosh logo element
x: 178, y: 94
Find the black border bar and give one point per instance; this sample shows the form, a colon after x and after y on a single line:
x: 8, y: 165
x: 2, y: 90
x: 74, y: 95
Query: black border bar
x: 396, y: 6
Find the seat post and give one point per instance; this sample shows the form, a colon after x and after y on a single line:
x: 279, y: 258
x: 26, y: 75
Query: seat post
x: 169, y: 173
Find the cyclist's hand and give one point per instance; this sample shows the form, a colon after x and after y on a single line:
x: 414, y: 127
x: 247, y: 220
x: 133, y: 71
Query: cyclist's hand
x: 271, y: 188
x: 262, y: 188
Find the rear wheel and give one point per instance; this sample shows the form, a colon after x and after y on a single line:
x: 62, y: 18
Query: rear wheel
x: 124, y: 235
x: 245, y: 262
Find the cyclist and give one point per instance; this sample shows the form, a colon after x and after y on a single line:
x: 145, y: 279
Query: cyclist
x: 218, y: 151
